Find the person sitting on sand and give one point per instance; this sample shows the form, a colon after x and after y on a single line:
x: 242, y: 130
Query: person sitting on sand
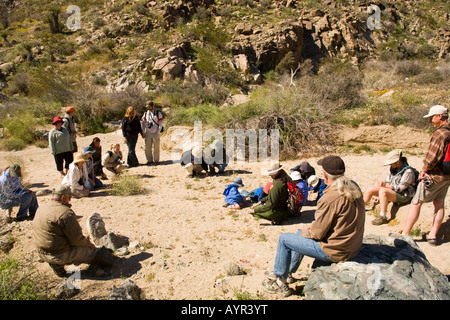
x: 193, y: 162
x: 58, y: 236
x: 316, y: 185
x: 398, y: 186
x: 13, y: 194
x: 297, y: 179
x: 112, y: 160
x: 77, y: 178
x: 305, y: 169
x: 93, y: 182
x: 335, y: 235
x: 274, y: 206
x: 97, y: 158
x: 233, y: 199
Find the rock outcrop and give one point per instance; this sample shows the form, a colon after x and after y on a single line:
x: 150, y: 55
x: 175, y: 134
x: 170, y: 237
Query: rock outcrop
x: 387, y: 268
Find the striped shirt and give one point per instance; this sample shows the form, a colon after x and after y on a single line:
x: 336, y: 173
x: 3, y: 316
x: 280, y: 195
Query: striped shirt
x: 436, y: 152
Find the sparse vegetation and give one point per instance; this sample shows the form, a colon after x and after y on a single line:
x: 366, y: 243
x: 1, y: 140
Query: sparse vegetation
x: 127, y: 185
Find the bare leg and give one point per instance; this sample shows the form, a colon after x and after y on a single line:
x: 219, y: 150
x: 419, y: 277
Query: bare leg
x: 370, y: 192
x: 411, y: 218
x: 386, y: 195
x: 438, y: 217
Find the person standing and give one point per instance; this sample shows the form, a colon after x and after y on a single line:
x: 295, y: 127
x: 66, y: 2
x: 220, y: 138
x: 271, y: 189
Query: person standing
x: 69, y: 124
x: 152, y: 122
x: 131, y: 128
x: 13, y: 194
x: 433, y: 185
x: 60, y: 146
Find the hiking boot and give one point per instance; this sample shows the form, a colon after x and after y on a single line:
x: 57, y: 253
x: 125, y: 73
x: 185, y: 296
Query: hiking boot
x: 58, y: 269
x: 380, y: 220
x: 277, y: 286
x: 273, y: 276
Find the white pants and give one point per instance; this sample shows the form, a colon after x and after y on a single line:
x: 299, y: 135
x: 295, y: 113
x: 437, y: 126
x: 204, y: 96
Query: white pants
x: 152, y: 147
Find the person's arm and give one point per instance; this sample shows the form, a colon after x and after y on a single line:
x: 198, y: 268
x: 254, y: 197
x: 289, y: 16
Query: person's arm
x: 73, y: 231
x: 323, y: 221
x: 270, y: 201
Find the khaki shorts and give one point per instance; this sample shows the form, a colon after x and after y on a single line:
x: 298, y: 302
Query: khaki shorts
x: 426, y: 194
x: 401, y: 199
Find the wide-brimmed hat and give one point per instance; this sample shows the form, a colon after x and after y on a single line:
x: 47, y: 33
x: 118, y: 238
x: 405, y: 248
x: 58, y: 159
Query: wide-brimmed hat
x: 313, y: 181
x: 271, y: 168
x: 392, y: 157
x: 238, y: 182
x: 295, y: 175
x: 57, y: 119
x: 79, y: 158
x: 15, y: 170
x: 332, y: 164
x: 435, y: 110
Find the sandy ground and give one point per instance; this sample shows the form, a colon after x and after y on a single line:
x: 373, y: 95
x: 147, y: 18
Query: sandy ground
x: 186, y: 237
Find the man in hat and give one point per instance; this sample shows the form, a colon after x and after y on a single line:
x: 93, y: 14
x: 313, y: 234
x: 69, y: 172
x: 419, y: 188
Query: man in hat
x: 434, y: 182
x: 69, y: 124
x: 58, y: 236
x: 335, y: 235
x: 398, y: 186
x: 13, y: 194
x: 153, y: 124
x: 274, y: 206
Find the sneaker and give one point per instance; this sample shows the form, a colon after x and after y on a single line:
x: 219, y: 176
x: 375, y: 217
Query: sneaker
x: 276, y: 286
x: 58, y: 270
x: 380, y: 220
x: 272, y: 276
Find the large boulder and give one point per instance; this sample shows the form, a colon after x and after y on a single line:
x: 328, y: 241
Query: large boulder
x: 387, y: 268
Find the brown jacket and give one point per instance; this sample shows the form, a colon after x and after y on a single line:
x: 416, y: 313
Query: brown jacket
x: 56, y: 228
x: 338, y: 225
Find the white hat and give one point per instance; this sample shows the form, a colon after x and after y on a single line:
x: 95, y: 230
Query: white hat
x: 295, y: 175
x: 271, y: 169
x: 435, y: 110
x: 392, y: 157
x: 313, y: 180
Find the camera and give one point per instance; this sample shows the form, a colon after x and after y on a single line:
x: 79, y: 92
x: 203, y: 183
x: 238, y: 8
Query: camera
x: 427, y: 182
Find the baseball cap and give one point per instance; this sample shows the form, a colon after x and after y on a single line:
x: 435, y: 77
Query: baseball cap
x: 435, y: 110
x: 57, y: 119
x: 88, y: 149
x: 61, y: 190
x: 332, y: 165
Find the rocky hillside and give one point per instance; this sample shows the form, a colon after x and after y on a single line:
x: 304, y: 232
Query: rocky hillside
x: 193, y: 52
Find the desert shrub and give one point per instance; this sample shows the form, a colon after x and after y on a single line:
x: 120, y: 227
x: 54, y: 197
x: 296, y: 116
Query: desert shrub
x: 20, y: 281
x: 19, y: 130
x: 19, y: 84
x: 128, y: 185
x: 408, y: 68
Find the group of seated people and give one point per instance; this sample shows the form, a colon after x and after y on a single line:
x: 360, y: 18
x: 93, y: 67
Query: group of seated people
x: 271, y: 199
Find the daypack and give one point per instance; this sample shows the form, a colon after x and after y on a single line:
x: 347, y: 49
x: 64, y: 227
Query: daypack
x: 295, y: 198
x: 445, y: 165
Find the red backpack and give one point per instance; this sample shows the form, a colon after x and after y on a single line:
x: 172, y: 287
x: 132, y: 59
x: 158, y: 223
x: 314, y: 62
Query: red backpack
x: 295, y: 198
x: 445, y: 165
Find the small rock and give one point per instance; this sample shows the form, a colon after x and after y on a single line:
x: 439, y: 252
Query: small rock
x: 127, y: 291
x: 232, y: 269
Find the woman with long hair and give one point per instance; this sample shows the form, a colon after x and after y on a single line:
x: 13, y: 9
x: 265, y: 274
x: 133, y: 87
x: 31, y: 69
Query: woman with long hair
x: 131, y: 128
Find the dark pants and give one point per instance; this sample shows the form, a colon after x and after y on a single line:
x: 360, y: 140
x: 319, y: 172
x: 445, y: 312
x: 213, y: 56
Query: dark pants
x: 132, y: 160
x: 61, y: 157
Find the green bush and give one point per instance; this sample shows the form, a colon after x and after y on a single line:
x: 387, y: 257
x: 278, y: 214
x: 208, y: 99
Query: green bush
x: 19, y: 281
x: 128, y: 185
x: 19, y: 130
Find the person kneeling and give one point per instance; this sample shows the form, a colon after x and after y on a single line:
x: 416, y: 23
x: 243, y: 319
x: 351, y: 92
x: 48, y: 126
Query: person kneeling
x: 58, y: 236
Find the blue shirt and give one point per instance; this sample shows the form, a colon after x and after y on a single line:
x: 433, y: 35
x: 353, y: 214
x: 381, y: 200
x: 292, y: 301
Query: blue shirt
x: 10, y: 188
x: 232, y: 194
x: 304, y: 187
